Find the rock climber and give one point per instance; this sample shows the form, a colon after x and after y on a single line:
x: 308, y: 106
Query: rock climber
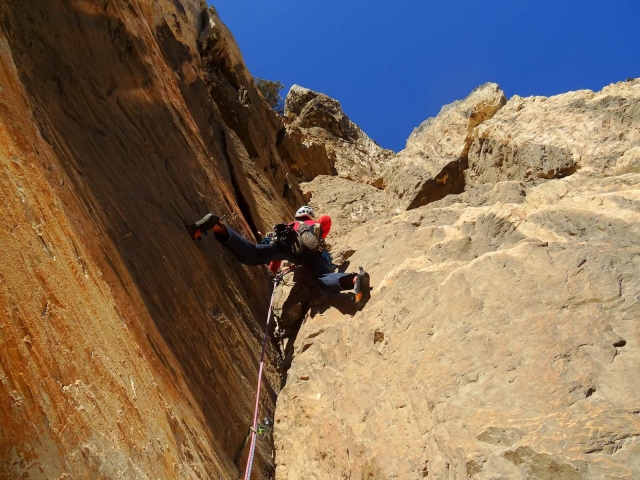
x: 310, y: 233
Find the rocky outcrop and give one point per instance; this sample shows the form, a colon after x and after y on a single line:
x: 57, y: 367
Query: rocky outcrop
x: 484, y: 139
x: 501, y: 341
x: 501, y: 338
x: 126, y: 350
x: 432, y: 164
x: 327, y: 141
x: 540, y: 137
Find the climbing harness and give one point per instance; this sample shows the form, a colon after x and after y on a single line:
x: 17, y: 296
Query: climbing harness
x: 255, y: 428
x: 284, y: 234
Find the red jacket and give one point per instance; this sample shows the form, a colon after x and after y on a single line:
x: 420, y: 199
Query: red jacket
x: 325, y: 227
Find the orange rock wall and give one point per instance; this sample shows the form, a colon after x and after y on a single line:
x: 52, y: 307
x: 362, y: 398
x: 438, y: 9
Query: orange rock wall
x: 126, y: 350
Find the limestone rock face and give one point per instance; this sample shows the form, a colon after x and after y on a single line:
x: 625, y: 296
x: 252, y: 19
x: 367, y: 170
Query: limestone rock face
x: 328, y: 142
x: 540, y: 137
x: 501, y: 341
x: 431, y: 165
x: 348, y: 203
x: 127, y: 350
x: 293, y: 296
x: 629, y: 162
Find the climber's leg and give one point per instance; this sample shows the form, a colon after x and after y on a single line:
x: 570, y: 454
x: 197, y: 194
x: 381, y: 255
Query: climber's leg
x: 336, y: 282
x: 359, y: 282
x: 347, y: 281
x: 246, y: 252
x: 250, y: 254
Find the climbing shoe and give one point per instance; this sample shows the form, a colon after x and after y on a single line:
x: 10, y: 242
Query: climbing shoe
x: 362, y: 289
x: 202, y: 227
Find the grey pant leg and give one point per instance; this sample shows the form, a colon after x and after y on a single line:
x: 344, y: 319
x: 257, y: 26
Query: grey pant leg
x: 330, y: 282
x: 249, y: 254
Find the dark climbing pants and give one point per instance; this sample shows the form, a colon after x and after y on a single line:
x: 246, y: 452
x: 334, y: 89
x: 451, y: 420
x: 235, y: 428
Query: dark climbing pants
x: 250, y: 254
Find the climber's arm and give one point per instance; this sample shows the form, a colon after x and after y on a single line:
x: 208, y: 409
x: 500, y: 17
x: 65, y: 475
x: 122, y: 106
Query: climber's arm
x: 325, y: 224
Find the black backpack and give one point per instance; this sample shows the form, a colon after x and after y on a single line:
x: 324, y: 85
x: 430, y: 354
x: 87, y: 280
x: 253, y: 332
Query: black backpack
x: 297, y: 242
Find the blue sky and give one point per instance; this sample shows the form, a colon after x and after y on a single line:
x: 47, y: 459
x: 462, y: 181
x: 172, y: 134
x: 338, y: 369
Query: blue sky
x: 394, y: 64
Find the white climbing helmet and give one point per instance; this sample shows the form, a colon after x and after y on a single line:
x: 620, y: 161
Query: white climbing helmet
x: 305, y: 212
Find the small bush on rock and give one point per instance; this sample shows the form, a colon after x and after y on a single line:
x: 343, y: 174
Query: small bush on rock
x: 270, y: 90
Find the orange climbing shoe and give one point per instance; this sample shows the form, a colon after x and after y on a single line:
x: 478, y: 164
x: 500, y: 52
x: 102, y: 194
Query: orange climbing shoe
x: 202, y: 227
x: 362, y: 289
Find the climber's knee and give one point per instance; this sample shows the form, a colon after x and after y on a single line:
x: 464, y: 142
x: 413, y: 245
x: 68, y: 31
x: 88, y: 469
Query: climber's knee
x: 220, y: 232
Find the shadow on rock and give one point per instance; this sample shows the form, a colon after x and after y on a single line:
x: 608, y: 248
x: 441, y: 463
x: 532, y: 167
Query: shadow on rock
x: 343, y: 302
x: 298, y: 297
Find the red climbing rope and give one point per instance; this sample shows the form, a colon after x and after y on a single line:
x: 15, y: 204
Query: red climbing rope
x: 254, y: 429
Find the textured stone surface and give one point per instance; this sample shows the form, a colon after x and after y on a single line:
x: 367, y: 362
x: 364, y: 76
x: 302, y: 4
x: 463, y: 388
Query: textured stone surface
x: 262, y: 181
x: 501, y: 341
x: 629, y: 162
x: 126, y: 350
x: 327, y: 141
x: 348, y: 203
x: 294, y: 295
x: 540, y: 137
x: 431, y: 165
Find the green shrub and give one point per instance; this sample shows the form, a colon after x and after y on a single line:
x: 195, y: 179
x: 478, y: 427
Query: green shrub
x: 271, y: 92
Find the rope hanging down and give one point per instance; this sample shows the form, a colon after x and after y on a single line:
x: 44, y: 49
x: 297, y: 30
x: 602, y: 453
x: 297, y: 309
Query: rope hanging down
x: 254, y: 429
